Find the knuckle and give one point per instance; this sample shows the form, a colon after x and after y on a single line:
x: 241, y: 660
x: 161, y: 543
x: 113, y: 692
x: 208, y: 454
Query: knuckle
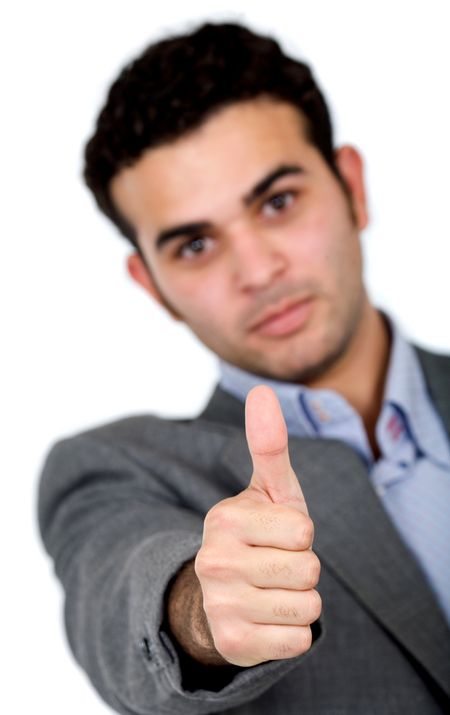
x: 298, y: 540
x: 297, y: 644
x: 315, y: 606
x: 312, y: 570
x: 307, y: 531
x: 304, y: 639
x: 217, y: 607
x: 268, y: 520
x: 275, y: 568
x: 282, y: 650
x: 221, y: 516
x: 229, y: 642
x: 201, y: 563
x: 284, y: 611
x: 209, y: 563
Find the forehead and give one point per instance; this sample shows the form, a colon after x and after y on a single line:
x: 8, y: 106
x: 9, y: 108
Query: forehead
x: 212, y: 166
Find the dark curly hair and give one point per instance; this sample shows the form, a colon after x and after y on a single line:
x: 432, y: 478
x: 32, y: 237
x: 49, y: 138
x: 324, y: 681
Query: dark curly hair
x: 177, y: 83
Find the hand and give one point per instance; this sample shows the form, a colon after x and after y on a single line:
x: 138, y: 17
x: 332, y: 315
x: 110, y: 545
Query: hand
x: 256, y: 567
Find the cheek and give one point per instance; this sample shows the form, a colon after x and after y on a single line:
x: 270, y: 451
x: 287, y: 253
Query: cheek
x: 198, y: 297
x: 331, y: 236
x: 312, y: 243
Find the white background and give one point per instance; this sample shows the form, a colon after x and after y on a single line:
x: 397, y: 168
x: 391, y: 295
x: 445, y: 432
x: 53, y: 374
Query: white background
x: 81, y: 344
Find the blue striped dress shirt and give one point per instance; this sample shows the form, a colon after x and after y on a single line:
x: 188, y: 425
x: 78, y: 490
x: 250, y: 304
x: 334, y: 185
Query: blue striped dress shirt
x: 412, y: 474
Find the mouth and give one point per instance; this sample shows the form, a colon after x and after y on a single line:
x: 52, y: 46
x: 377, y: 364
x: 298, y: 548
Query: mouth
x: 283, y: 319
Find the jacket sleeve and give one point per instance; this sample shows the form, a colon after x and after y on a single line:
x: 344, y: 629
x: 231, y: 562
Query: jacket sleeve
x: 118, y: 534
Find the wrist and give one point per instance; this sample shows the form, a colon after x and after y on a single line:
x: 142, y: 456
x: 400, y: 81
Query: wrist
x: 187, y: 618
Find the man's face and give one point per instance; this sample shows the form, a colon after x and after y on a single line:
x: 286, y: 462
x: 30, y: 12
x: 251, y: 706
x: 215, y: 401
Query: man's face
x: 251, y: 240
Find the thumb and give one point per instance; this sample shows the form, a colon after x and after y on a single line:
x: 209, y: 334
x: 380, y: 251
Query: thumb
x: 267, y: 441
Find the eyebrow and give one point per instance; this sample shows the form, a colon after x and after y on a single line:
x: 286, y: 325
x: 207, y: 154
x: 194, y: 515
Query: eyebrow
x: 265, y: 183
x: 186, y: 229
x: 198, y: 227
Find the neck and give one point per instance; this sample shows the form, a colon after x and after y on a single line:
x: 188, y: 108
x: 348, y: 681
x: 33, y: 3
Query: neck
x: 359, y: 375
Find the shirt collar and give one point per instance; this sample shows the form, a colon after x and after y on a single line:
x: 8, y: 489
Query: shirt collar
x: 406, y: 391
x: 324, y: 413
x: 308, y: 412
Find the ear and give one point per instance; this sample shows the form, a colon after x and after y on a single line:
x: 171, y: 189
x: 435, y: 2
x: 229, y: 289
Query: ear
x: 141, y: 275
x: 350, y: 165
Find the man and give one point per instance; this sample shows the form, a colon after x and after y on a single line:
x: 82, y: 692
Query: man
x: 192, y: 580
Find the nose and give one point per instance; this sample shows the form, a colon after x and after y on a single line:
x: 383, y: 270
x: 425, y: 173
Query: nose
x: 256, y: 260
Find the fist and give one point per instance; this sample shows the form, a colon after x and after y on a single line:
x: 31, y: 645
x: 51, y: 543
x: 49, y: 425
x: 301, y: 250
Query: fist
x: 256, y: 567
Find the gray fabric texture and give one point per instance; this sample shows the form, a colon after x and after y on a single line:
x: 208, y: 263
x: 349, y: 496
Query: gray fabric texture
x: 121, y: 509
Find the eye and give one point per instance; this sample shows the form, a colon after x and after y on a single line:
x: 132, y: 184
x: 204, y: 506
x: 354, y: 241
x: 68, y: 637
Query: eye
x: 194, y: 246
x: 278, y: 203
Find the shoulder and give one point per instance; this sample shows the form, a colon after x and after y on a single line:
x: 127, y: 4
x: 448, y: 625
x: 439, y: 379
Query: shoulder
x: 159, y: 459
x: 203, y: 434
x: 137, y: 438
x: 436, y: 370
x: 431, y: 357
x: 148, y: 428
x: 436, y: 366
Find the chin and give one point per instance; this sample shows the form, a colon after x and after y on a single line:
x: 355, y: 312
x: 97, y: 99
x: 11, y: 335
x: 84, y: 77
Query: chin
x: 302, y: 363
x: 297, y: 374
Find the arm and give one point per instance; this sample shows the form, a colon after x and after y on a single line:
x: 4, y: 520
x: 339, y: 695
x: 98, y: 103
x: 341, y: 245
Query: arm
x: 112, y: 518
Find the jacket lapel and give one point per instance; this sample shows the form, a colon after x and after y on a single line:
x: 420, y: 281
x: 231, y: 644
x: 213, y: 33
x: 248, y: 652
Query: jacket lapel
x: 354, y: 536
x: 358, y: 543
x: 436, y: 369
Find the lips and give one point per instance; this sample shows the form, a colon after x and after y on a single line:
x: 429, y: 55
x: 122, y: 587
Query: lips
x: 284, y: 318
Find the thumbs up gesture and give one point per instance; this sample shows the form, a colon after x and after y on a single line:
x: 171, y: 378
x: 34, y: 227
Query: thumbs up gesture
x: 256, y: 567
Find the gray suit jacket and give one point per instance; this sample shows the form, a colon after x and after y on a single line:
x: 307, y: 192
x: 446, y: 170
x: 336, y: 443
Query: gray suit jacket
x: 121, y: 509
